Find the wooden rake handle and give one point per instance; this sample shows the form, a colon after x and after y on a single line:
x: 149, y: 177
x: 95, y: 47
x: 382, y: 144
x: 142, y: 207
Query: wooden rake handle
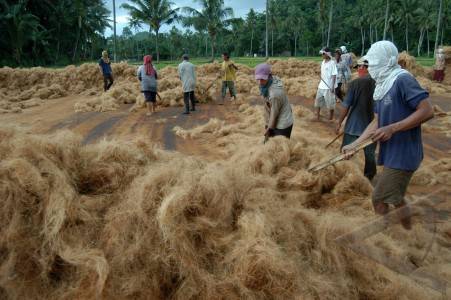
x: 339, y: 157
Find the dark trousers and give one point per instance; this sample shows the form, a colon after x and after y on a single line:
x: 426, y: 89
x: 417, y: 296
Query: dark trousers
x: 187, y: 98
x: 370, y: 155
x: 339, y: 92
x: 286, y: 132
x: 107, y: 82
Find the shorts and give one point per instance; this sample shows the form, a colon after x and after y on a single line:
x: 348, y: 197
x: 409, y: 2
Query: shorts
x: 150, y: 96
x: 391, y: 186
x: 231, y: 86
x: 325, y: 98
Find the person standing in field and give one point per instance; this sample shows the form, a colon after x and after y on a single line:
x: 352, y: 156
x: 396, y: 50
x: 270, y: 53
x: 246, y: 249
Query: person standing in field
x: 325, y: 96
x: 187, y: 73
x: 439, y: 67
x: 228, y: 70
x: 401, y: 106
x: 341, y: 69
x: 279, y: 117
x: 105, y: 68
x: 147, y: 75
x: 358, y: 108
x: 347, y: 59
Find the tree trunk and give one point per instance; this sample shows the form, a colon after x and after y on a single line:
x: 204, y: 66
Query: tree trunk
x: 206, y: 45
x: 439, y: 18
x: 330, y: 22
x: 441, y: 40
x: 212, y: 48
x: 407, y: 36
x: 420, y: 41
x: 272, y: 42
x: 252, y: 39
x: 392, y: 38
x: 371, y: 34
x: 362, y: 33
x: 77, y: 39
x: 386, y: 19
x: 427, y: 37
x: 295, y: 45
x: 156, y: 44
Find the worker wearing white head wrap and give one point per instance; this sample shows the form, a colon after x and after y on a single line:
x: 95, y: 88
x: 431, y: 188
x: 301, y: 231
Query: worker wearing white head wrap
x: 439, y: 67
x: 383, y: 67
x: 343, y: 49
x: 402, y: 106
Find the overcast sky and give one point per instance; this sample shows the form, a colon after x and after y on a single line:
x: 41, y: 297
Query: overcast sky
x: 240, y: 8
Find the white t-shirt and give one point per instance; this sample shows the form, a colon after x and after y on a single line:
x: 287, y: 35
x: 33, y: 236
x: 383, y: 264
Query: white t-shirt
x: 328, y: 69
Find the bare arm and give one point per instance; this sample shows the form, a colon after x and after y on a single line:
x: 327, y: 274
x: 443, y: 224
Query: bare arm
x: 343, y: 114
x: 332, y: 88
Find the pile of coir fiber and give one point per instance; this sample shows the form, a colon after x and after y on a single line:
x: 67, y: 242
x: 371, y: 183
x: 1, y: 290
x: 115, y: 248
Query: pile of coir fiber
x: 121, y: 220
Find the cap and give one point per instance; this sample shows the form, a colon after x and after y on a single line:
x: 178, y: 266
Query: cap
x: 185, y: 56
x: 262, y: 71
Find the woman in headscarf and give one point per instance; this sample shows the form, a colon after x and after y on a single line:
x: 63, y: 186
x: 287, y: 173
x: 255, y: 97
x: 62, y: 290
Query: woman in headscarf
x: 105, y: 68
x: 147, y: 74
x: 439, y: 67
x: 401, y: 106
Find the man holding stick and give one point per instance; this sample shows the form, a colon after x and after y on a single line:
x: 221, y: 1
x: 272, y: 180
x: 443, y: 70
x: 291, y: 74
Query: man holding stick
x: 401, y: 106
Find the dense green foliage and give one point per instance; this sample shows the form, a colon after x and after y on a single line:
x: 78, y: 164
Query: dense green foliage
x: 51, y: 32
x: 65, y: 31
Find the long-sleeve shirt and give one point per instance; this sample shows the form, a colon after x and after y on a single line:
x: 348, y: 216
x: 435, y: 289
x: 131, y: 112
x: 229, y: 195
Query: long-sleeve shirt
x: 278, y: 109
x: 187, y: 73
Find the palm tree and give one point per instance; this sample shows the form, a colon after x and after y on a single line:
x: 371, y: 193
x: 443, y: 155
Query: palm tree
x: 406, y: 17
x: 213, y: 15
x: 251, y: 19
x: 387, y: 9
x: 19, y: 25
x: 273, y: 22
x: 154, y: 13
x: 439, y: 18
x: 424, y: 15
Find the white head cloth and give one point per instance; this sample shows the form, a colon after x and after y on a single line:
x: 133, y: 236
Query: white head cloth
x: 324, y: 52
x: 383, y: 67
x: 343, y: 49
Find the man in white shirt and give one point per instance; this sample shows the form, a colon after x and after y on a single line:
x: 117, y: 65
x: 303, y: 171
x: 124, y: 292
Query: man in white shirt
x: 325, y: 96
x: 187, y: 73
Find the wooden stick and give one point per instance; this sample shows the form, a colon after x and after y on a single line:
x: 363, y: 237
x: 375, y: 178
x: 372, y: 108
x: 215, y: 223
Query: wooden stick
x: 339, y: 157
x: 335, y: 138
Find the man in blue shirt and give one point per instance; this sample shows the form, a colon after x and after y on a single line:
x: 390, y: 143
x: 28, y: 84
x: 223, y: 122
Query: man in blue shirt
x: 105, y: 68
x: 358, y: 108
x: 401, y: 106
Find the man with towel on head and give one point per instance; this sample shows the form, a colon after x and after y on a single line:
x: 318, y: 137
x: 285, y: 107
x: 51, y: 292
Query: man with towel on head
x: 401, y: 106
x: 325, y: 96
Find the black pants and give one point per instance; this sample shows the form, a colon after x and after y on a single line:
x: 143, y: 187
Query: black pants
x: 187, y: 97
x: 107, y: 82
x: 370, y: 155
x: 339, y: 92
x: 286, y: 132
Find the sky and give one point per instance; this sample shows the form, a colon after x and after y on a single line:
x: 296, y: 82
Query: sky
x: 240, y: 9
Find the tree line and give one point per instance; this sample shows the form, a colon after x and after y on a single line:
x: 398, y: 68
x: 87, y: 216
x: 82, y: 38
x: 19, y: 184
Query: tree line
x: 52, y: 32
